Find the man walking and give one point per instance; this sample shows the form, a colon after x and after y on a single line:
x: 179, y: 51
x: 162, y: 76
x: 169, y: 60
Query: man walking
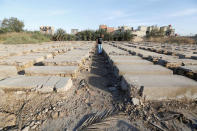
x: 99, y: 41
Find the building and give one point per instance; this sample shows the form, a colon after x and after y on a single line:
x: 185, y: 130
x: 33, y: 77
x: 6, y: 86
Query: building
x: 49, y: 30
x: 140, y: 32
x: 74, y: 31
x: 110, y: 29
x: 124, y: 28
x: 103, y: 27
x: 151, y: 28
x: 168, y: 30
x: 143, y: 30
x: 106, y: 28
x: 164, y: 28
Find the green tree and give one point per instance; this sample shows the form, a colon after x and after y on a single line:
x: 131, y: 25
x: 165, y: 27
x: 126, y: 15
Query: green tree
x: 92, y: 35
x: 12, y: 25
x: 59, y: 35
x: 127, y: 35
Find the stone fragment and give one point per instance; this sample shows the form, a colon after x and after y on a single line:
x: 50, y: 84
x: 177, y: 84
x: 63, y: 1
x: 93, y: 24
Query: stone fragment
x: 136, y: 101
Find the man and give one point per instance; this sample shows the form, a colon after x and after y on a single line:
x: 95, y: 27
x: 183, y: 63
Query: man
x: 99, y: 41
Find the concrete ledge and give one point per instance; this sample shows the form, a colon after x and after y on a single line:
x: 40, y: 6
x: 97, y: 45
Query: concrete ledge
x: 25, y: 61
x: 63, y: 71
x: 125, y: 58
x: 43, y: 84
x: 63, y: 61
x: 120, y: 70
x: 188, y: 62
x: 6, y: 71
x: 192, y: 68
x: 131, y: 62
x: 170, y: 63
x: 71, y: 58
x: 189, y: 71
x: 158, y: 87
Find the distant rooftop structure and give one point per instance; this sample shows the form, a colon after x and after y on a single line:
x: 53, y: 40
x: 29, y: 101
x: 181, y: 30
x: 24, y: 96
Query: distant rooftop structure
x: 145, y: 30
x: 74, y: 31
x: 141, y: 31
x: 103, y: 27
x: 108, y: 29
x: 49, y: 30
x: 142, y: 28
x: 124, y: 28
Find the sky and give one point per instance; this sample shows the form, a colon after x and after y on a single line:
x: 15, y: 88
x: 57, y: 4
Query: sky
x: 89, y: 14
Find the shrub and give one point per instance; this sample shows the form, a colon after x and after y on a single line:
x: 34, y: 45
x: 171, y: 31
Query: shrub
x: 178, y: 40
x: 59, y: 35
x: 12, y: 25
x: 23, y: 38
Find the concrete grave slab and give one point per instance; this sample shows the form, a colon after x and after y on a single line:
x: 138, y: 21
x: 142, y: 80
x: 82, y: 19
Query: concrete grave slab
x: 192, y: 68
x: 6, y: 71
x: 125, y: 58
x: 63, y: 61
x: 63, y: 71
x: 120, y: 70
x: 44, y: 84
x: 131, y: 62
x: 159, y: 87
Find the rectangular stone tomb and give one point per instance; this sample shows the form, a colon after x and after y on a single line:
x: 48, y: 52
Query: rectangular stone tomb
x: 120, y: 70
x: 63, y: 61
x: 63, y: 71
x: 192, y: 68
x: 110, y: 50
x: 125, y: 58
x: 131, y: 62
x: 43, y: 84
x: 26, y: 60
x: 189, y: 71
x: 170, y: 63
x: 6, y: 71
x: 146, y: 54
x: 188, y: 62
x: 77, y: 52
x: 161, y: 87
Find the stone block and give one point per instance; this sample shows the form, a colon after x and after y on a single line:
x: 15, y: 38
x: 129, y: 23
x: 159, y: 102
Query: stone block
x: 131, y: 62
x: 44, y: 84
x: 161, y: 87
x: 6, y: 71
x: 63, y: 71
x: 120, y: 70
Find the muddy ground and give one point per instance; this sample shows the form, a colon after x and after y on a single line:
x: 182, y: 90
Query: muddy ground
x: 94, y: 103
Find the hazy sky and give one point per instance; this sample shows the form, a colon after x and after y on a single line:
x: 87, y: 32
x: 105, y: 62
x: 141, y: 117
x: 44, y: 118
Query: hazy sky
x: 89, y: 14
